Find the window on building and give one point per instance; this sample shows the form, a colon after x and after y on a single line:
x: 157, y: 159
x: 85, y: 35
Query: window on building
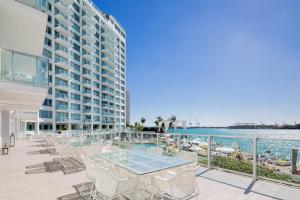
x: 75, y: 96
x: 47, y: 102
x: 45, y: 114
x: 48, y: 42
x: 47, y: 53
x: 49, y: 7
x: 49, y: 30
x: 49, y: 19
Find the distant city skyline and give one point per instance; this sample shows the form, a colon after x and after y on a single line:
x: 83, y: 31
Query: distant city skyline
x: 221, y: 62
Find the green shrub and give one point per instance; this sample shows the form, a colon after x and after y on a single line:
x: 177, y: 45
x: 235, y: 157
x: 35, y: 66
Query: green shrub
x: 246, y: 167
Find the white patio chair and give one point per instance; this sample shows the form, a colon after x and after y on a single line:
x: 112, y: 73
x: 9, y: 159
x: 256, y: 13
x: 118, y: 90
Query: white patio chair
x: 93, y: 149
x: 181, y: 186
x: 189, y: 156
x: 111, y: 186
x: 156, y: 150
x: 90, y: 175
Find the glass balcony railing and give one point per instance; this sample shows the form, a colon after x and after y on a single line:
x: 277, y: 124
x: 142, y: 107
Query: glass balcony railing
x: 61, y: 107
x: 38, y: 4
x: 21, y: 68
x: 61, y: 96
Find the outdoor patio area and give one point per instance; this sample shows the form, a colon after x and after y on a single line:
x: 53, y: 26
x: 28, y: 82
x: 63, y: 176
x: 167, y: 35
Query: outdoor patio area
x: 30, y: 171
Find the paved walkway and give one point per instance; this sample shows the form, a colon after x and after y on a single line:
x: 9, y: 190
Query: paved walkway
x: 215, y: 184
x: 50, y: 183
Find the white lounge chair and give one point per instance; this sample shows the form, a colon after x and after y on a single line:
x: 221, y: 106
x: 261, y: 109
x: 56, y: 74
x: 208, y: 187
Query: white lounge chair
x: 90, y: 174
x: 111, y: 185
x: 189, y: 156
x: 156, y: 150
x: 181, y: 185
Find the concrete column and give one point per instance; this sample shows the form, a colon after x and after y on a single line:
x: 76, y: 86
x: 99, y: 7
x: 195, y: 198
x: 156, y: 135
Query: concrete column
x: 5, y: 127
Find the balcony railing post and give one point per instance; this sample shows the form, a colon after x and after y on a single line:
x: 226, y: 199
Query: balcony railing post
x: 254, y: 159
x: 120, y: 135
x: 179, y: 142
x: 209, y: 152
x: 142, y: 140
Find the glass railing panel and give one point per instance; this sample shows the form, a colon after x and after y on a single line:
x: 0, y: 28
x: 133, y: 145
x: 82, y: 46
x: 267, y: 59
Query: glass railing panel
x: 21, y: 68
x: 232, y: 153
x: 279, y: 160
x: 38, y: 4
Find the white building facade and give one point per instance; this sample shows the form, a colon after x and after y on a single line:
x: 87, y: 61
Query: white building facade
x: 23, y: 70
x: 86, y: 54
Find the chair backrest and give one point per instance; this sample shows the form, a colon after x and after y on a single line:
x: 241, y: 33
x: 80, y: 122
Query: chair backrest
x: 183, y: 184
x: 189, y: 156
x: 156, y: 150
x: 90, y: 166
x: 106, y: 183
x: 93, y: 149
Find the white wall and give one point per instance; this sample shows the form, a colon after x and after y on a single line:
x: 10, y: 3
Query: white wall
x: 5, y: 127
x: 22, y: 28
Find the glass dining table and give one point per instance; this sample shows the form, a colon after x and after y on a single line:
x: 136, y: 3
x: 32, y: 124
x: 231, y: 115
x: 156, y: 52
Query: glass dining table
x: 141, y: 162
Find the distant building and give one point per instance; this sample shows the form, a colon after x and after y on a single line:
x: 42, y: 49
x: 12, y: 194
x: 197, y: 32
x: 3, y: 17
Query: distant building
x: 127, y: 107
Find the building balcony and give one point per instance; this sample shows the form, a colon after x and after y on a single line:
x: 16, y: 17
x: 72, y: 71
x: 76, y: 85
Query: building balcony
x: 88, y: 57
x: 87, y: 103
x: 88, y: 47
x: 108, y: 84
x: 62, y: 53
x: 61, y: 119
x: 106, y: 91
x: 61, y: 75
x: 89, y: 38
x: 87, y: 121
x: 87, y: 75
x: 89, y: 20
x: 108, y: 51
x: 63, y: 5
x: 86, y: 110
x: 61, y: 107
x: 88, y: 8
x: 63, y: 30
x: 36, y: 73
x: 63, y: 19
x: 64, y: 87
x: 89, y: 67
x: 110, y: 65
x: 63, y: 41
x: 62, y: 64
x: 89, y: 29
x: 63, y: 97
x: 87, y: 94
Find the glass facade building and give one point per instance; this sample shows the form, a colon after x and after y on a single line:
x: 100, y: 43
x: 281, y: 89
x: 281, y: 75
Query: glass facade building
x: 86, y: 53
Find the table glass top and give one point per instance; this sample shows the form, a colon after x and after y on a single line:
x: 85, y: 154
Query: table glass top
x: 141, y: 162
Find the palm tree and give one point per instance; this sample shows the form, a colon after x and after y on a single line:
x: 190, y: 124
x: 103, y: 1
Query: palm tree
x: 173, y: 118
x: 157, y: 121
x: 172, y: 122
x: 143, y: 120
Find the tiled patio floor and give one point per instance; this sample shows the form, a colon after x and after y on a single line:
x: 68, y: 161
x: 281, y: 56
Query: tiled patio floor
x: 43, y: 183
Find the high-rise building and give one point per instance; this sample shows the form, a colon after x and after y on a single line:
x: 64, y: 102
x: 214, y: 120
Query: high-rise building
x: 127, y: 107
x: 86, y: 52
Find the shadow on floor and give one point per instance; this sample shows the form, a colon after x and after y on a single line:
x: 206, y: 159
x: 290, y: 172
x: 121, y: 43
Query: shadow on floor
x: 247, y: 190
x: 50, y: 151
x: 76, y: 196
x: 66, y: 165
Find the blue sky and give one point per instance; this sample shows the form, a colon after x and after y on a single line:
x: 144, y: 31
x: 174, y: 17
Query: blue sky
x: 219, y: 61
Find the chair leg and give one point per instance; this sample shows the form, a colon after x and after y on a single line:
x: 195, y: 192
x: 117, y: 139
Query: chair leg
x: 91, y: 191
x: 82, y: 186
